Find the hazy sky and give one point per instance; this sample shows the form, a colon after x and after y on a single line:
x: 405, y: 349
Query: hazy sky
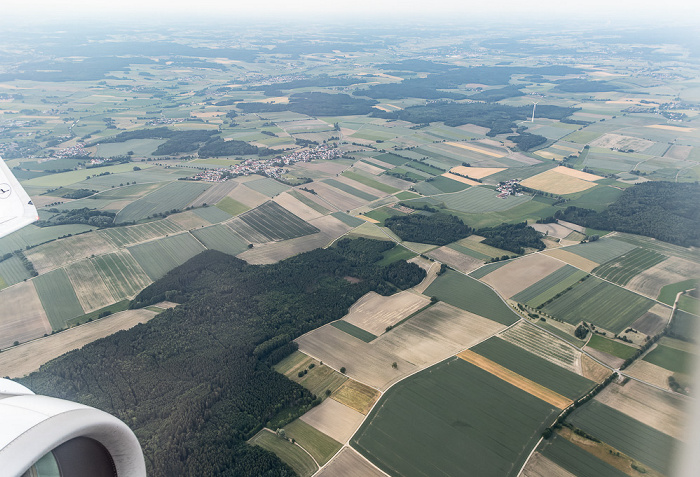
x: 602, y: 10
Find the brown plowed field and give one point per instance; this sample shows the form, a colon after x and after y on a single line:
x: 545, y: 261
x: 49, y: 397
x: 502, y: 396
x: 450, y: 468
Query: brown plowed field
x: 572, y: 259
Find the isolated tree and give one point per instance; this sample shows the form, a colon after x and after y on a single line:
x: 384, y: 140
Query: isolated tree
x: 342, y: 370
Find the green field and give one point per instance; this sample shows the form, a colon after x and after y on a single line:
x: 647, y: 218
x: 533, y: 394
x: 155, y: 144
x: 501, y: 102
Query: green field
x: 471, y: 295
x: 277, y: 223
x: 318, y: 378
x: 561, y: 333
x: 302, y: 198
x: 689, y: 304
x: 395, y: 254
x: 71, y: 177
x: 160, y: 256
x: 629, y: 436
x: 231, y: 206
x: 121, y: 273
x: 12, y: 271
x: 486, y: 269
x: 673, y: 359
x: 58, y: 298
x: 94, y: 315
x: 353, y: 330
x: 428, y: 169
x: 603, y: 304
x: 476, y: 200
x: 664, y: 248
x: 316, y: 443
x: 348, y: 220
x: 123, y: 236
x: 447, y: 185
x: 267, y: 186
x: 221, y: 238
x: 668, y: 293
x: 370, y: 182
x: 611, y: 347
x: 549, y: 286
x: 467, y: 251
x: 383, y: 213
x: 534, y: 368
x: 602, y: 250
x: 392, y: 159
x: 476, y: 422
x: 350, y: 190
x: 213, y: 215
x: 291, y: 454
x: 684, y: 325
x: 622, y: 269
x: 174, y: 196
x: 577, y: 460
x: 31, y: 235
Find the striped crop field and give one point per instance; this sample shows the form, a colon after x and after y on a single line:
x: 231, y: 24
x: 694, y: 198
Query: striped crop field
x: 476, y: 200
x: 176, y: 195
x: 123, y: 236
x: 621, y: 270
x: 276, y: 223
x: 221, y: 238
x: 549, y: 286
x: 606, y: 305
x: 370, y: 182
x: 350, y: 189
x: 12, y: 271
x: 267, y: 186
x: 602, y: 250
x: 57, y: 297
x: 121, y: 273
x: 577, y: 460
x: 160, y: 256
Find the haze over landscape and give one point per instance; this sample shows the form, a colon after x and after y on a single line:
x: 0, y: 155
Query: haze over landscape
x: 360, y: 239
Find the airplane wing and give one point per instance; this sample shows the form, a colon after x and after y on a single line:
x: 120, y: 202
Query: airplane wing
x: 16, y: 207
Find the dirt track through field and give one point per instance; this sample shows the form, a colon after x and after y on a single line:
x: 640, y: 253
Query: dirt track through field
x: 520, y: 382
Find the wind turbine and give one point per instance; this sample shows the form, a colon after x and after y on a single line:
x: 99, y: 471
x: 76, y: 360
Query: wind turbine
x: 534, y: 105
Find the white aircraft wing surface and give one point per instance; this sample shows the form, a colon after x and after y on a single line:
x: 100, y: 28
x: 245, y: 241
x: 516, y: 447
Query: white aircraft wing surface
x: 16, y: 208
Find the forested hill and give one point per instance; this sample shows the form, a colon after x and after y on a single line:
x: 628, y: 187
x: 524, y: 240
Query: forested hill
x: 195, y: 382
x: 667, y: 211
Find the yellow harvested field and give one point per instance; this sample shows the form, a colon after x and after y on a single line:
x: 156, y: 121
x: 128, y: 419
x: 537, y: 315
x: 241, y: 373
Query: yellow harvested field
x: 593, y: 370
x: 247, y: 196
x: 577, y: 174
x: 550, y: 155
x: 383, y: 108
x: 394, y: 106
x: 671, y: 128
x: 276, y: 99
x: 649, y: 373
x: 557, y: 182
x: 60, y: 252
x: 461, y: 179
x: 480, y: 150
x: 572, y: 259
x: 476, y: 172
x: 663, y: 411
x: 297, y: 207
x: 520, y: 382
x: 334, y: 419
x: 27, y: 358
x: 520, y: 273
x: 348, y: 463
x: 374, y: 312
x: 356, y: 395
x: 540, y: 466
x: 22, y: 317
x: 89, y: 287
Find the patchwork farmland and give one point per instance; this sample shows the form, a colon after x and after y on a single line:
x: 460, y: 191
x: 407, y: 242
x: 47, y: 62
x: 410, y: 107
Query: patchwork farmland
x: 174, y: 196
x: 276, y: 223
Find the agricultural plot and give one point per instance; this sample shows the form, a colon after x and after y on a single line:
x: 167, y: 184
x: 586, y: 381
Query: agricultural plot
x: 122, y: 275
x: 370, y: 182
x: 611, y: 347
x: 666, y: 279
x: 572, y: 259
x: 231, y: 206
x: 639, y: 441
x: 267, y: 186
x: 348, y: 463
x: 577, y: 461
x: 676, y: 360
x: 306, y: 198
x: 541, y: 344
x: 213, y: 215
x: 450, y: 183
x: 176, y: 195
x: 593, y: 300
x: 27, y: 358
x: 276, y: 223
x: 476, y: 172
x: 374, y: 313
x: 402, y: 253
x: 350, y: 190
x: 463, y: 262
x: 57, y: 297
x: 335, y: 197
x: 354, y: 331
x: 12, y: 271
x: 63, y: 251
x: 356, y: 395
x: 221, y: 238
x: 522, y: 273
x: 124, y: 236
x: 470, y: 295
x: 297, y: 207
x: 473, y: 423
x: 158, y: 257
x: 556, y: 182
x: 310, y: 373
x: 539, y: 466
x: 247, y: 196
x: 477, y: 200
x: 214, y: 194
x: 534, y: 368
x: 654, y: 320
x: 320, y: 446
x: 486, y: 269
x: 548, y: 287
x: 291, y: 454
x: 621, y: 270
x: 334, y: 419
x: 663, y: 411
x: 22, y: 317
x: 89, y: 287
x: 381, y: 214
